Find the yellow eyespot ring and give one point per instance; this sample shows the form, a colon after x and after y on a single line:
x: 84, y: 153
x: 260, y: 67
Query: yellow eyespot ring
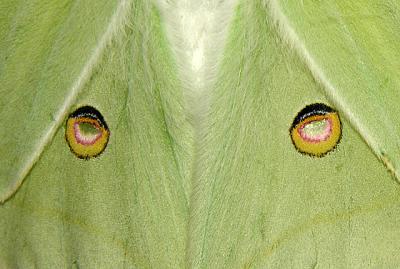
x: 316, y: 130
x: 86, y: 132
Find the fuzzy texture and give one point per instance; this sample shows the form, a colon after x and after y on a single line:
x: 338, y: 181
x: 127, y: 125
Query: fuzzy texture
x: 42, y: 134
x: 75, y: 213
x: 200, y: 170
x: 258, y: 202
x: 196, y: 32
x: 339, y: 87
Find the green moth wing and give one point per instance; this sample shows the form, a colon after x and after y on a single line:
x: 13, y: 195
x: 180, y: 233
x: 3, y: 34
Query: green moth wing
x: 262, y: 204
x: 198, y: 175
x: 352, y: 50
x: 128, y: 207
x: 44, y: 47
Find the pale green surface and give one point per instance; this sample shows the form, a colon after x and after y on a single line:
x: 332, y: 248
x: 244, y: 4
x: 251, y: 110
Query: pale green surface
x: 316, y: 128
x: 129, y: 206
x: 249, y: 201
x: 261, y: 204
x: 356, y: 44
x: 43, y: 47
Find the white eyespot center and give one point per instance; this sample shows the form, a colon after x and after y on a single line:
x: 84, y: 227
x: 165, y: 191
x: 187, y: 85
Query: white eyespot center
x: 86, y: 133
x: 316, y: 131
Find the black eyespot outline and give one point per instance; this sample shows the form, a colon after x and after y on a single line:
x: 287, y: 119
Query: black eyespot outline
x: 91, y: 113
x: 316, y: 109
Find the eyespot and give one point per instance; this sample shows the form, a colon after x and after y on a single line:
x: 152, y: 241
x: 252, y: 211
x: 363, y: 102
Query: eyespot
x: 86, y: 133
x: 316, y: 130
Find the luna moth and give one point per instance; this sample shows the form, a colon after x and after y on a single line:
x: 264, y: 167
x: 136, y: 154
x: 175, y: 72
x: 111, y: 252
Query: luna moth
x: 196, y: 103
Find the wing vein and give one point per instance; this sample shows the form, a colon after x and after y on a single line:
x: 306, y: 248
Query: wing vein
x: 288, y: 33
x: 117, y: 20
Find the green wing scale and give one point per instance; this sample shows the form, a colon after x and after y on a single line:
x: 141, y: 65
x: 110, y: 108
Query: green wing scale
x: 128, y: 207
x: 199, y: 170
